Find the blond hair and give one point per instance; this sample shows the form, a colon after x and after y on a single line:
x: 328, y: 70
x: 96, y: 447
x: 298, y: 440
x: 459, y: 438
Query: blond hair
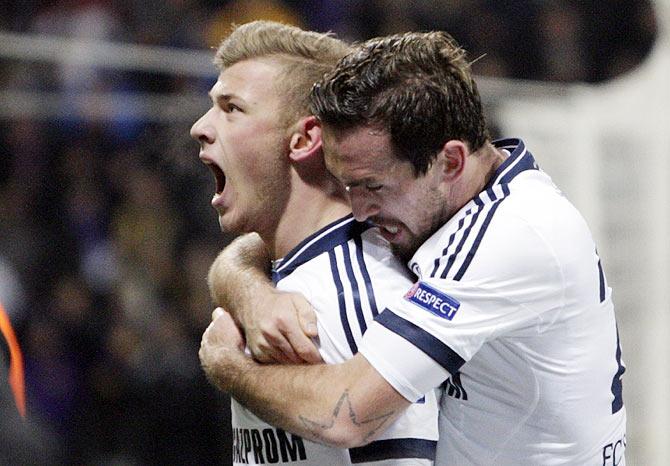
x: 304, y: 56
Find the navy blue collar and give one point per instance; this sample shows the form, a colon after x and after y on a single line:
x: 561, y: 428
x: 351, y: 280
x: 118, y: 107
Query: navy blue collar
x: 328, y: 237
x: 519, y: 160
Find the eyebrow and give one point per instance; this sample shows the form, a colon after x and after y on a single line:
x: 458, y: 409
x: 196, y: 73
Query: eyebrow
x: 223, y: 97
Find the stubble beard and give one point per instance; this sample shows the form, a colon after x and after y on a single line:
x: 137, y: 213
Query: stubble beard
x: 405, y: 252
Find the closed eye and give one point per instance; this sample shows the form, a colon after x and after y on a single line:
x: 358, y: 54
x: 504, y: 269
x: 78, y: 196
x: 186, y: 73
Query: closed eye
x: 368, y: 186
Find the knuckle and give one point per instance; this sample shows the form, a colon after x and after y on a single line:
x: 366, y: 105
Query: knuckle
x: 281, y: 326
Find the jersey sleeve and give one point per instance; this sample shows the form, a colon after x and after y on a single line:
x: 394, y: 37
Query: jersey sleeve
x: 432, y: 329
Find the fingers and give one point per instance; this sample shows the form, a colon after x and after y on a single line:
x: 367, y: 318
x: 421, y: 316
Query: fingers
x: 281, y: 339
x: 269, y: 342
x: 293, y: 332
x: 306, y: 318
x: 302, y: 341
x: 302, y: 347
x: 281, y: 330
x: 282, y: 350
x: 267, y: 350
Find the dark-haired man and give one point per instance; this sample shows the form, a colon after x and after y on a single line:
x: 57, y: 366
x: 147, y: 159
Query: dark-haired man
x: 511, y: 313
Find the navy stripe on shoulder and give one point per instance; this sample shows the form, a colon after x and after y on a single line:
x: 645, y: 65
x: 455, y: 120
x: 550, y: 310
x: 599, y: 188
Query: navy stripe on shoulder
x: 480, y: 234
x: 372, y: 301
x: 341, y: 302
x: 461, y: 222
x: 466, y: 233
x: 396, y: 448
x: 327, y: 238
x: 353, y: 282
x: 433, y: 347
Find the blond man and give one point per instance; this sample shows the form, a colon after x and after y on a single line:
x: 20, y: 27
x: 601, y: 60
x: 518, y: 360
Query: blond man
x: 264, y: 149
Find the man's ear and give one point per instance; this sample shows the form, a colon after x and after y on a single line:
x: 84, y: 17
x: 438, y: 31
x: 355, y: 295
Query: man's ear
x: 453, y: 154
x: 306, y: 141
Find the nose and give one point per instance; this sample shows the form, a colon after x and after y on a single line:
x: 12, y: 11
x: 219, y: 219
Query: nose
x: 202, y: 131
x: 363, y: 205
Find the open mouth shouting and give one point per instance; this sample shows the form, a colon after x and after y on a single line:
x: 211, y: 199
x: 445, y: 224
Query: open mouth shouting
x: 219, y: 176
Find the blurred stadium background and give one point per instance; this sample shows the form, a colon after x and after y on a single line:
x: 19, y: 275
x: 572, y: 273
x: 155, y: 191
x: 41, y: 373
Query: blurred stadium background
x: 106, y: 231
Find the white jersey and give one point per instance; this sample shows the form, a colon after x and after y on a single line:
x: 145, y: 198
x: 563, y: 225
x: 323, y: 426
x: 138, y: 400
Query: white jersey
x: 347, y: 272
x: 513, y: 318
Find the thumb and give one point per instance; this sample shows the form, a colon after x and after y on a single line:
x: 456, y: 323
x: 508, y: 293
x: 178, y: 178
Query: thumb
x: 307, y: 319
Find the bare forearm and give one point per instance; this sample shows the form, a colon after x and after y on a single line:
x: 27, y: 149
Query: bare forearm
x: 278, y: 326
x: 239, y: 275
x: 324, y: 403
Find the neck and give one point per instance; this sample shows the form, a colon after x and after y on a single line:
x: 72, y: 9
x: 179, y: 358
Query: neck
x: 481, y: 167
x: 310, y: 207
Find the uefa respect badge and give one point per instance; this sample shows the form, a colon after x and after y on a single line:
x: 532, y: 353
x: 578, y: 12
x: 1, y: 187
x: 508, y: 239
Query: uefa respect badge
x: 433, y: 300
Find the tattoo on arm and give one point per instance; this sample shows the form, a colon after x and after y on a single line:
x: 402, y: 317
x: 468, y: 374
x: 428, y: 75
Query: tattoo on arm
x: 317, y: 427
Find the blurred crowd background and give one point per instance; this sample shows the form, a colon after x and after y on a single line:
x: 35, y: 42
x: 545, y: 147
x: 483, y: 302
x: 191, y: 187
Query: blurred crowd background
x: 106, y: 232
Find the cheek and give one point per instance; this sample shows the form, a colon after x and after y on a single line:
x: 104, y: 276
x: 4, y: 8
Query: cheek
x: 250, y: 157
x: 413, y: 209
x: 244, y: 135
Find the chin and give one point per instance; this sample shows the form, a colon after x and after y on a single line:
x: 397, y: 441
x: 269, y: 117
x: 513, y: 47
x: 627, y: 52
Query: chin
x: 228, y: 226
x: 403, y: 252
x: 237, y: 225
x: 224, y: 228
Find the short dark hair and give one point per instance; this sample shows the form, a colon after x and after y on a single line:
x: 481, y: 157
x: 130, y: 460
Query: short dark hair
x: 416, y: 86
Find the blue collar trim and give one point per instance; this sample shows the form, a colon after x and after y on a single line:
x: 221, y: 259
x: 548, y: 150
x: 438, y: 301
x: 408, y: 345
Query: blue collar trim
x: 327, y: 238
x: 519, y: 161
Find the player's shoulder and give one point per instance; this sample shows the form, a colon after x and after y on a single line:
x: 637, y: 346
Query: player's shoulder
x: 536, y: 233
x: 517, y: 231
x: 537, y: 208
x: 533, y: 191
